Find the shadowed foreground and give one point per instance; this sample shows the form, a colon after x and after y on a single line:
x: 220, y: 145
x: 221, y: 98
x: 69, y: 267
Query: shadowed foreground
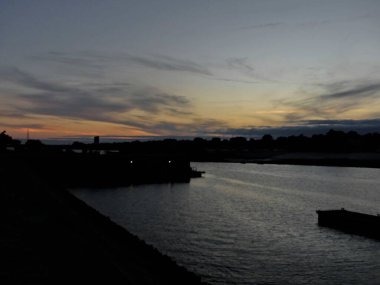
x: 49, y: 236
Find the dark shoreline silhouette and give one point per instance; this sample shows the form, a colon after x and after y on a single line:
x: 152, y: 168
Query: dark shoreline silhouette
x: 335, y: 148
x: 52, y: 237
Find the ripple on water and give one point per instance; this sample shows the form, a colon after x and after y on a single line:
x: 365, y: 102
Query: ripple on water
x: 254, y: 224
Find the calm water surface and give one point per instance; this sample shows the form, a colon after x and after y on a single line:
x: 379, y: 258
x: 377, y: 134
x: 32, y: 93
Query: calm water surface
x: 254, y: 224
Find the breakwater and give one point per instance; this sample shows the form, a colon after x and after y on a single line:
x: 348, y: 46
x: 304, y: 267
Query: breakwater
x: 95, y: 170
x: 51, y: 237
x: 351, y: 222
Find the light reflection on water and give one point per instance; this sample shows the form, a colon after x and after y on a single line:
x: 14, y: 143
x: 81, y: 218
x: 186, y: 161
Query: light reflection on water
x: 254, y: 224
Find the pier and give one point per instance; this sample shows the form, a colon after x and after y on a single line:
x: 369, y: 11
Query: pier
x: 351, y: 222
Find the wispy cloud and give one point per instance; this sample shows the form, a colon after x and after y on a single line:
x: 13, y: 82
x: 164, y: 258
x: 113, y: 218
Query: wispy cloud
x: 337, y: 98
x: 170, y: 64
x: 362, y: 91
x: 152, y: 100
x: 241, y: 64
x: 306, y: 24
x: 244, y: 67
x: 96, y: 60
x: 16, y: 75
x: 236, y: 80
x: 97, y: 103
x: 307, y: 127
x: 194, y: 127
x: 4, y: 125
x: 91, y: 63
x: 141, y: 108
x: 83, y: 59
x: 262, y: 26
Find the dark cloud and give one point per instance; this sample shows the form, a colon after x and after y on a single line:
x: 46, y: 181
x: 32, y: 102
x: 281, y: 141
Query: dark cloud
x: 308, y: 24
x: 361, y: 91
x: 152, y: 100
x: 73, y: 105
x: 98, y: 103
x: 195, y: 127
x: 236, y: 80
x: 95, y: 63
x: 170, y: 64
x: 241, y: 64
x: 24, y: 126
x: 12, y: 115
x: 99, y: 61
x: 82, y: 59
x: 263, y: 26
x: 15, y: 75
x: 246, y: 68
x: 308, y: 128
x: 344, y: 123
x: 337, y: 98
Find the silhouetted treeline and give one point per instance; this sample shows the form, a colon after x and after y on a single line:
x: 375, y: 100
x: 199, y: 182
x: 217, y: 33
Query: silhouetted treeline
x: 207, y: 149
x: 333, y: 148
x: 333, y: 141
x: 6, y: 141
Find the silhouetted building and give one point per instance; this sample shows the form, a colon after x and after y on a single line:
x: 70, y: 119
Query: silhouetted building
x: 96, y: 140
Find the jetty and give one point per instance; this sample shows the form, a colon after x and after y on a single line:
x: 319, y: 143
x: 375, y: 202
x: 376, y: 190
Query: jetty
x: 51, y: 237
x: 95, y: 170
x: 351, y: 222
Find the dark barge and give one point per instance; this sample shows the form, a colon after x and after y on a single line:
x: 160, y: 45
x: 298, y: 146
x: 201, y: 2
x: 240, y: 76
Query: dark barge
x: 351, y: 222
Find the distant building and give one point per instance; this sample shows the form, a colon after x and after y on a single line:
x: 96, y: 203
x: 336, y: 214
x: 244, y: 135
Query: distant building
x: 96, y: 140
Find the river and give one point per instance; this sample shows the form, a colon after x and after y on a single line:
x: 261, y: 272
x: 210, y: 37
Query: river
x: 254, y: 224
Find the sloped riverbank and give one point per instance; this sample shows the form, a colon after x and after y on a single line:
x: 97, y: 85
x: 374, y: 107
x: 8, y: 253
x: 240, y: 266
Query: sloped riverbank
x: 49, y: 236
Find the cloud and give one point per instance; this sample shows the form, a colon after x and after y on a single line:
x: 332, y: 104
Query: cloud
x: 194, y: 127
x: 12, y: 115
x: 152, y: 100
x: 15, y: 75
x: 307, y: 24
x: 336, y: 98
x: 367, y: 123
x: 364, y: 90
x: 96, y: 63
x: 236, y: 80
x: 241, y: 64
x: 307, y: 127
x: 82, y: 59
x: 170, y: 64
x: 99, y: 61
x: 24, y: 126
x: 98, y: 103
x: 263, y: 26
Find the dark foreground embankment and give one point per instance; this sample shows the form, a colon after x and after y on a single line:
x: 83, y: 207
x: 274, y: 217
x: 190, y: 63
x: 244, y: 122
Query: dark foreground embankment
x: 51, y: 237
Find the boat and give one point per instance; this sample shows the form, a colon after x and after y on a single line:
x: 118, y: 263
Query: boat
x: 196, y: 173
x: 350, y: 222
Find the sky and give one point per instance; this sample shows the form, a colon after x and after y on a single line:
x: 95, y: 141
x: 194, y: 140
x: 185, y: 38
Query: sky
x: 188, y: 68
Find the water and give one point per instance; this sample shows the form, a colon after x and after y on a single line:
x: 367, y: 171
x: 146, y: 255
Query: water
x: 254, y: 224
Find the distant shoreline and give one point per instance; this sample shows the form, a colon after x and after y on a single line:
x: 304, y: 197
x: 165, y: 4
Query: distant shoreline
x: 365, y: 160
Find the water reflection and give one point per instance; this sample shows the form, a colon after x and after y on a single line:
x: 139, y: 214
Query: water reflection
x: 254, y: 224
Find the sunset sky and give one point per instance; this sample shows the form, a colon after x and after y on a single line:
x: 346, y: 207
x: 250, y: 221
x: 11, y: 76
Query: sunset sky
x: 188, y: 68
